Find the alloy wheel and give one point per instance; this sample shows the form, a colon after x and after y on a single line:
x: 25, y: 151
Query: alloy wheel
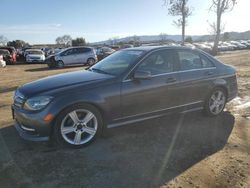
x: 79, y: 127
x: 217, y: 102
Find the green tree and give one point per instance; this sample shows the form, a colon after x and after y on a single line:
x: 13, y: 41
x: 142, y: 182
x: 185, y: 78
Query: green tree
x: 226, y: 36
x: 79, y: 42
x: 189, y: 39
x: 3, y: 40
x: 65, y: 40
x: 220, y: 7
x: 181, y: 9
x: 18, y: 43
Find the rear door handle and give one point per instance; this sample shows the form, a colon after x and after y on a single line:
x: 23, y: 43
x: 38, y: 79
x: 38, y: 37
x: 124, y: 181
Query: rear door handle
x: 171, y: 80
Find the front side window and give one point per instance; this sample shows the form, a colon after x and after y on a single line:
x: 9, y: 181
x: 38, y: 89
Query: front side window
x: 68, y: 52
x: 158, y: 62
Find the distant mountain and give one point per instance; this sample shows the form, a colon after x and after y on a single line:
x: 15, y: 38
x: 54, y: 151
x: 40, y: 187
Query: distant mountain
x: 150, y: 38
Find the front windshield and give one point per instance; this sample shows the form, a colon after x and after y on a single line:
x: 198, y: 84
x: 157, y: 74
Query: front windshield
x: 117, y: 63
x: 35, y: 52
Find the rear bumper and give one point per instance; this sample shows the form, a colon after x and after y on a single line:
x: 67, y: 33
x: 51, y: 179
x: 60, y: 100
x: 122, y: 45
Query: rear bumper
x: 232, y: 89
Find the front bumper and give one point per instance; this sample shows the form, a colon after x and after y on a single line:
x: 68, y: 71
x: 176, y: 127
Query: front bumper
x: 35, y: 61
x: 29, y: 135
x: 31, y: 126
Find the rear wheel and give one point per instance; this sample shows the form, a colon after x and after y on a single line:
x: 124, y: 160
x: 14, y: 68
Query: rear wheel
x: 78, y: 125
x: 216, y: 102
x: 91, y: 61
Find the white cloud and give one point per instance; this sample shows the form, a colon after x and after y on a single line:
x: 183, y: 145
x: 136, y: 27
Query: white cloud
x: 30, y: 28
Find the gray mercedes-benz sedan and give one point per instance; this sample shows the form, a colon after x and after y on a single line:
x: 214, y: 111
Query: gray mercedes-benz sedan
x: 128, y: 86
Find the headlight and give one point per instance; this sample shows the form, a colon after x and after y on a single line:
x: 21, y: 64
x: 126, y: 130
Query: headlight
x: 37, y: 103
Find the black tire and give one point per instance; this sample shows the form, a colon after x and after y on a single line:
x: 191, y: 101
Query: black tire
x: 58, y: 135
x: 210, y: 104
x: 91, y: 61
x: 60, y: 64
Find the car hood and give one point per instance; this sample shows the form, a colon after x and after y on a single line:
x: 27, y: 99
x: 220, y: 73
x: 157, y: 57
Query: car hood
x: 60, y: 81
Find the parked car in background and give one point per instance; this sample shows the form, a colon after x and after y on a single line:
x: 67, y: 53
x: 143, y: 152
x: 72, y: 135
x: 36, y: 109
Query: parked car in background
x: 115, y: 47
x: 103, y: 52
x: 54, y: 51
x: 34, y: 56
x: 127, y: 46
x: 12, y: 52
x: 238, y: 45
x: 128, y: 86
x: 73, y: 56
x: 46, y: 51
x: 5, y: 55
x: 246, y: 43
x: 2, y: 62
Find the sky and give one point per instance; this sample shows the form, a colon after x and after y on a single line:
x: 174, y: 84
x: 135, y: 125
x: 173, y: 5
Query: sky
x: 40, y: 22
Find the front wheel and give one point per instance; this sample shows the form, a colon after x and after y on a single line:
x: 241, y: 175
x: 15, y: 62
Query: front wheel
x: 216, y: 102
x: 78, y: 125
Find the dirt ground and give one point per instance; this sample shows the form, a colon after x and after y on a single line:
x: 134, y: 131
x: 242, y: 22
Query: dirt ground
x: 188, y: 150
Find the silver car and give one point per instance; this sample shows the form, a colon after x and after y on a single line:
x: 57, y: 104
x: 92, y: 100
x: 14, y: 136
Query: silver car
x: 74, y: 55
x: 34, y: 56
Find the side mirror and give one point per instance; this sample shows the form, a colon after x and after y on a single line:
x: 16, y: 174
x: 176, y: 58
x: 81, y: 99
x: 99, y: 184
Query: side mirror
x: 142, y: 75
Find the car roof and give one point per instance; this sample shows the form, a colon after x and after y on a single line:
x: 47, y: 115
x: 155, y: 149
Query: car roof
x: 79, y: 47
x: 4, y: 50
x: 151, y: 48
x: 33, y: 50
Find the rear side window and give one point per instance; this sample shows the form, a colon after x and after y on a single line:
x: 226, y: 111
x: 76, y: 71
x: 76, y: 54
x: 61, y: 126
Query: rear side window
x: 84, y: 50
x: 189, y: 60
x: 205, y: 62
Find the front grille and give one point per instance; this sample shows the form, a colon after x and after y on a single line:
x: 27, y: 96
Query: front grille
x: 18, y: 99
x: 35, y: 58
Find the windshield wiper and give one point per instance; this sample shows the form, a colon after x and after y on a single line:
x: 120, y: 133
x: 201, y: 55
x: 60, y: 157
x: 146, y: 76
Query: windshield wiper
x: 99, y: 71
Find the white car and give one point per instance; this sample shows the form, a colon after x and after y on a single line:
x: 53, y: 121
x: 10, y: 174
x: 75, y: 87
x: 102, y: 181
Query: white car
x: 34, y: 56
x: 2, y: 62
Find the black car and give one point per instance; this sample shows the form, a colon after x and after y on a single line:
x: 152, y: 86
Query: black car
x: 128, y: 86
x: 6, y: 55
x: 13, y: 54
x: 103, y: 52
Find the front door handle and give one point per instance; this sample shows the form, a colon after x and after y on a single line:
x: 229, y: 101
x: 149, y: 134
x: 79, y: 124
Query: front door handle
x: 171, y: 80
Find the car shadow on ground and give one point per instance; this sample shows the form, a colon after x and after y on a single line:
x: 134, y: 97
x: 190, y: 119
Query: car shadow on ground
x: 145, y: 154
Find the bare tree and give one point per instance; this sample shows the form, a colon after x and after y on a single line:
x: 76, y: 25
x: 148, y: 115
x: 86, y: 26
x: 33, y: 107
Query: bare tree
x: 3, y: 40
x: 179, y: 8
x: 220, y: 7
x: 65, y: 40
x: 163, y: 37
